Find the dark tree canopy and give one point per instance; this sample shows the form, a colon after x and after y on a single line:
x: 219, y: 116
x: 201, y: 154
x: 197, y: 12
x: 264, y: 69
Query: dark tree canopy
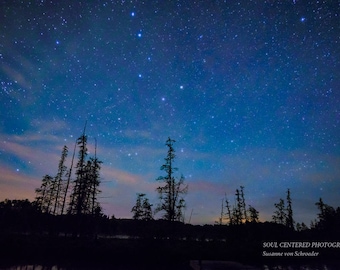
x: 43, y: 197
x: 254, y: 214
x: 171, y: 193
x: 284, y: 212
x: 289, y: 220
x: 238, y: 213
x: 52, y: 195
x: 280, y: 213
x: 142, y: 209
x: 85, y: 186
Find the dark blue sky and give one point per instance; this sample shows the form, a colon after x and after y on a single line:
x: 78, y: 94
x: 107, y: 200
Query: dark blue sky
x: 248, y: 89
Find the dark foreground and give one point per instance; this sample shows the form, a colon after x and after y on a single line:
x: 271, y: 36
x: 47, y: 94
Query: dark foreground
x: 87, y: 242
x: 137, y: 253
x: 77, y: 253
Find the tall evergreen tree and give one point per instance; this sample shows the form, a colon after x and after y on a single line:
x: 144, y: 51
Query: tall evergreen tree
x: 229, y: 212
x: 142, y: 209
x: 85, y: 186
x: 289, y: 214
x: 254, y: 214
x: 243, y: 203
x: 328, y: 217
x: 322, y: 208
x: 238, y: 209
x: 58, y: 181
x: 69, y: 174
x: 284, y: 215
x: 49, y: 195
x: 280, y: 214
x: 77, y: 204
x: 95, y: 166
x: 43, y: 194
x: 222, y: 213
x: 171, y: 200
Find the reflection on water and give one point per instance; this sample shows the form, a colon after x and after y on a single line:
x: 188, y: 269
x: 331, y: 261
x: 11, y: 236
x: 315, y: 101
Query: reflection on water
x: 301, y: 267
x: 35, y: 267
x: 264, y: 267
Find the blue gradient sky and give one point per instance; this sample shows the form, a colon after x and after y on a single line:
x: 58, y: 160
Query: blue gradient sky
x: 248, y: 89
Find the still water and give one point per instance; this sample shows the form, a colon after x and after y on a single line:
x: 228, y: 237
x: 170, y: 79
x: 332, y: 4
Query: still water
x: 34, y: 267
x: 264, y: 267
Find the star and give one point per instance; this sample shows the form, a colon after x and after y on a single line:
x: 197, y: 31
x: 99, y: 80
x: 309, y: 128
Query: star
x: 232, y: 83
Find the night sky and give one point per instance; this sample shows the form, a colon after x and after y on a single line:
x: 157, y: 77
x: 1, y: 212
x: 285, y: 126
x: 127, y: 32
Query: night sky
x: 248, y: 89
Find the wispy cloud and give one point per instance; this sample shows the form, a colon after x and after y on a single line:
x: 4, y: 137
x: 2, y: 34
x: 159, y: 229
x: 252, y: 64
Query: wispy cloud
x: 37, y: 156
x: 15, y: 185
x: 16, y: 76
x: 127, y: 170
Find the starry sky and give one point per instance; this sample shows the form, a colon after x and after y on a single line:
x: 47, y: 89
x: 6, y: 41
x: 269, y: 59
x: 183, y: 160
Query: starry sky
x: 248, y: 89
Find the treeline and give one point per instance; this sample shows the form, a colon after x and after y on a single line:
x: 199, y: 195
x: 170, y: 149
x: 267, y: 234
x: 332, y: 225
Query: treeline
x: 239, y: 213
x: 68, y: 202
x: 171, y: 193
x: 23, y: 216
x: 61, y: 194
x: 328, y: 218
x: 67, y: 207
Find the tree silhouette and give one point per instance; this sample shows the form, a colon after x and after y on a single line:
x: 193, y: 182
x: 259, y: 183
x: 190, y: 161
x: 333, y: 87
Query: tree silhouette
x: 49, y: 196
x: 43, y: 194
x: 239, y: 213
x: 142, y: 209
x: 170, y: 195
x: 289, y: 217
x: 222, y: 213
x: 280, y: 214
x: 58, y: 182
x: 229, y: 212
x: 69, y: 174
x: 284, y: 215
x: 301, y: 227
x: 328, y: 217
x: 243, y: 204
x: 85, y: 186
x: 254, y: 214
x: 238, y: 209
x: 94, y: 178
x: 77, y: 204
x: 324, y: 209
